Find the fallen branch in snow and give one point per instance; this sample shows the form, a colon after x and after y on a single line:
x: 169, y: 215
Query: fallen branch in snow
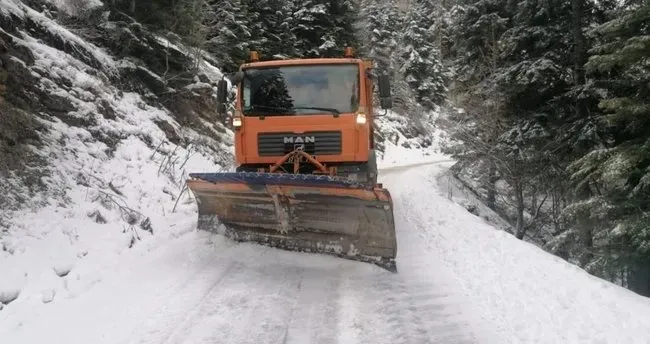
x: 168, y: 165
x: 163, y: 167
x: 179, y: 197
x: 134, y: 235
x: 157, y: 148
x: 130, y: 215
x: 115, y: 189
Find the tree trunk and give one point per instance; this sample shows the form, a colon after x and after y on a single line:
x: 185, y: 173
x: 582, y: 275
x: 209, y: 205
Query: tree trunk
x: 519, y: 196
x: 492, y: 187
x: 579, y: 47
x: 557, y: 207
x: 533, y: 200
x: 579, y: 54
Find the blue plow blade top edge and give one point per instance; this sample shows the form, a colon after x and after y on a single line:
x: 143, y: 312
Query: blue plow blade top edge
x: 260, y: 178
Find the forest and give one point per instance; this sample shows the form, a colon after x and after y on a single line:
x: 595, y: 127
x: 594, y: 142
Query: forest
x: 546, y: 104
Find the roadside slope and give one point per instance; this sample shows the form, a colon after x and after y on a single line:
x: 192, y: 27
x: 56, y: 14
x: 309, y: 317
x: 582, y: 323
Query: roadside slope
x: 524, y: 293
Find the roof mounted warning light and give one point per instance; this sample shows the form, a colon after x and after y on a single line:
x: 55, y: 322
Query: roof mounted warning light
x: 254, y: 56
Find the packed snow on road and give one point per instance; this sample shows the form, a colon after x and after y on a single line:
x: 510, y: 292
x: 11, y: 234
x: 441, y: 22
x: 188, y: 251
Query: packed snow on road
x: 459, y: 280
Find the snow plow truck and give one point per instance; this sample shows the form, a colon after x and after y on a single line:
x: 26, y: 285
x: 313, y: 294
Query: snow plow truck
x: 306, y: 169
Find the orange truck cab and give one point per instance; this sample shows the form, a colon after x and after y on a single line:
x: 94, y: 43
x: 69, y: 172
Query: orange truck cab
x: 322, y: 107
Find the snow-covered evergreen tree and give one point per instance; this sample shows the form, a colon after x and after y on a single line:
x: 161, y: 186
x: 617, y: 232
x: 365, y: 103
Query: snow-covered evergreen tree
x: 549, y: 117
x: 546, y: 96
x: 618, y: 175
x: 270, y: 26
x: 421, y: 65
x: 323, y: 28
x: 383, y: 23
x: 476, y: 29
x: 229, y: 36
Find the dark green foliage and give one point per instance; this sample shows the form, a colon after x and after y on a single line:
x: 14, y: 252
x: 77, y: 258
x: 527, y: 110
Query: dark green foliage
x: 279, y: 29
x: 183, y: 17
x: 229, y: 36
x: 571, y: 107
x: 477, y: 27
x: 421, y: 65
x: 323, y: 28
x: 619, y: 173
x: 270, y: 24
x: 383, y: 23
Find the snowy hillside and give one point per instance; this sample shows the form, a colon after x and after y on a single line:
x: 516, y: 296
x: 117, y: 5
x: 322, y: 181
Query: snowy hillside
x: 104, y: 167
x: 68, y: 103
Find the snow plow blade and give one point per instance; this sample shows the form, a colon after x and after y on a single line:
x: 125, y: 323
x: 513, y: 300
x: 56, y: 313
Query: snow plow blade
x: 308, y: 213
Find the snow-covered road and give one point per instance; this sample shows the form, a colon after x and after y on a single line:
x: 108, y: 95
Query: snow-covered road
x: 454, y: 284
x: 206, y: 289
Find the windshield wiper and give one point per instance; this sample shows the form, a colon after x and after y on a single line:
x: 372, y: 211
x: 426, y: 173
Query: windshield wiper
x: 334, y: 111
x: 268, y: 110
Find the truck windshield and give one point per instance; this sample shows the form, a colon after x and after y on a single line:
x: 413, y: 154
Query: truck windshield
x: 301, y: 90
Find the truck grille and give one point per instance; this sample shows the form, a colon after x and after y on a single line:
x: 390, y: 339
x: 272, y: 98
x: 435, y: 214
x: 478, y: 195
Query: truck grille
x: 315, y: 143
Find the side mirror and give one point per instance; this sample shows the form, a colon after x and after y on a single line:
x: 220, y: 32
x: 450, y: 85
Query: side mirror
x: 384, y: 92
x: 222, y: 95
x: 237, y: 77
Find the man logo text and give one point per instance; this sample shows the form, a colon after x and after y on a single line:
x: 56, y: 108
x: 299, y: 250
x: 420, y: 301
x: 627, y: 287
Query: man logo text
x: 299, y: 139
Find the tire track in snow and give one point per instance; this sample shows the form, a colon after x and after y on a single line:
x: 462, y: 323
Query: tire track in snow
x: 423, y: 313
x: 314, y: 317
x: 358, y: 321
x: 274, y: 307
x: 422, y: 295
x: 252, y: 304
x: 197, y: 309
x: 400, y: 318
x: 180, y: 304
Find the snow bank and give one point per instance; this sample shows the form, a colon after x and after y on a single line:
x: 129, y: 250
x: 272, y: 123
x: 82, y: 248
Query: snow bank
x: 114, y: 205
x: 528, y: 295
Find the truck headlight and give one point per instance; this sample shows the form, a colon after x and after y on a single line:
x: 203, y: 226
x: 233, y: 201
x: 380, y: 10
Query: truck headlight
x: 361, y: 118
x: 236, y: 122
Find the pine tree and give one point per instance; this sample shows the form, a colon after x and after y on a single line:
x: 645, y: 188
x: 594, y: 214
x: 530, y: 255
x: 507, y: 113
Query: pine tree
x: 382, y: 27
x: 524, y: 58
x: 344, y: 15
x: 324, y: 28
x: 476, y: 29
x: 619, y: 173
x: 229, y: 36
x: 546, y: 94
x: 270, y: 27
x: 421, y: 65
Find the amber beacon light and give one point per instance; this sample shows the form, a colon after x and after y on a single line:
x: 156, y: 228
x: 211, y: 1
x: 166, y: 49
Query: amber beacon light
x: 254, y: 56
